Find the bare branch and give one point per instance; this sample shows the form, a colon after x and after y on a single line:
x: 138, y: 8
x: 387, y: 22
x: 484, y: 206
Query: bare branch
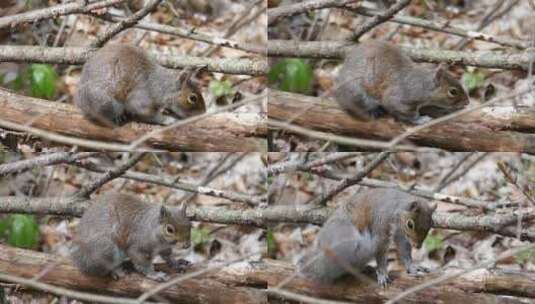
x: 126, y: 23
x: 110, y: 175
x: 78, y: 55
x: 380, y: 18
x: 337, y: 49
x: 171, y: 183
x: 215, y: 132
x: 350, y: 181
x: 190, y: 34
x: 445, y: 27
x: 289, y: 10
x: 74, y: 7
x: 43, y: 160
x: 483, y: 131
x: 264, y: 217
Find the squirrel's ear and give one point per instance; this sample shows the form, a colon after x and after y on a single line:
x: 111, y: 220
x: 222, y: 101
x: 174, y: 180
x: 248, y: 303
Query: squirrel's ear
x: 183, y: 207
x: 439, y: 73
x: 184, y: 76
x: 414, y: 207
x: 433, y: 207
x: 163, y: 212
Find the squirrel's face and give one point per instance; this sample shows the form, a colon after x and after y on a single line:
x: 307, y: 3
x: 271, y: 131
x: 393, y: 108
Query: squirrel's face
x: 416, y: 222
x: 449, y: 95
x: 175, y: 226
x: 189, y: 102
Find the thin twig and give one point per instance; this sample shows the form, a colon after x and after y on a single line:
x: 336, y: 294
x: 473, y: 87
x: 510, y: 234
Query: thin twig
x: 347, y: 182
x: 464, y: 171
x: 85, y: 143
x: 90, y: 297
x: 168, y: 181
x: 446, y: 277
x: 441, y: 184
x: 110, y: 175
x: 43, y: 160
x: 344, y: 140
x: 180, y: 123
x: 161, y: 287
x: 75, y: 7
x: 445, y: 27
x: 457, y: 114
x: 289, y: 10
x: 380, y: 18
x: 125, y: 23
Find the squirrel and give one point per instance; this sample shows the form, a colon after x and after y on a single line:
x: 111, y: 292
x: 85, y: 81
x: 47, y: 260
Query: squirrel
x: 378, y: 78
x: 362, y: 230
x: 120, y: 83
x: 120, y: 227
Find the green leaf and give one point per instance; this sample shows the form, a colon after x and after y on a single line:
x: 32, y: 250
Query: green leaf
x: 473, y: 80
x: 292, y: 75
x: 525, y: 256
x: 271, y: 245
x: 220, y: 88
x: 43, y: 80
x: 433, y: 242
x: 200, y: 236
x: 20, y: 230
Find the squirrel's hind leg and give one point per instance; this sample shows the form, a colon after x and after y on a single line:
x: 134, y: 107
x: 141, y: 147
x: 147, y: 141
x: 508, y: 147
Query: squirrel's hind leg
x: 100, y: 108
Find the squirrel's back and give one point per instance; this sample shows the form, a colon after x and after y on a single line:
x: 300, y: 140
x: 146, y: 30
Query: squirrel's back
x: 353, y: 234
x: 368, y: 70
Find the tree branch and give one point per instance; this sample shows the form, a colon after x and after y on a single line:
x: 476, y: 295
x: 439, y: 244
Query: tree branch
x: 247, y: 282
x: 192, y: 34
x: 125, y: 23
x: 167, y: 181
x: 264, y: 217
x: 78, y: 55
x: 74, y: 7
x: 480, y: 130
x: 27, y: 263
x: 109, y: 175
x: 289, y: 10
x: 445, y: 27
x: 217, y: 132
x: 380, y: 18
x: 43, y: 160
x: 337, y: 49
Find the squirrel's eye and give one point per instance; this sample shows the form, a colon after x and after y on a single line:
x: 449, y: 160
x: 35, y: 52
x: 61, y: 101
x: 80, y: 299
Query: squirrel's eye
x: 192, y: 99
x: 410, y: 224
x: 169, y: 229
x: 453, y: 92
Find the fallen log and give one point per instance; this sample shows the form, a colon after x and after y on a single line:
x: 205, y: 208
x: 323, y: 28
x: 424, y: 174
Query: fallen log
x: 60, y: 272
x: 256, y: 282
x: 484, y: 130
x: 218, y: 132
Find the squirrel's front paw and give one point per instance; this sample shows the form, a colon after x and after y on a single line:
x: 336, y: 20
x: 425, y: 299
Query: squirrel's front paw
x: 158, y: 276
x: 422, y: 119
x: 181, y: 265
x: 118, y: 274
x: 383, y: 280
x: 417, y: 270
x: 377, y: 112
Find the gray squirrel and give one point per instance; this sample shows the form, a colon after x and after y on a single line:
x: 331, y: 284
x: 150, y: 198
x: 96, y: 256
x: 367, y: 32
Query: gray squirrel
x: 363, y: 230
x: 120, y: 83
x: 377, y: 78
x: 119, y: 227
